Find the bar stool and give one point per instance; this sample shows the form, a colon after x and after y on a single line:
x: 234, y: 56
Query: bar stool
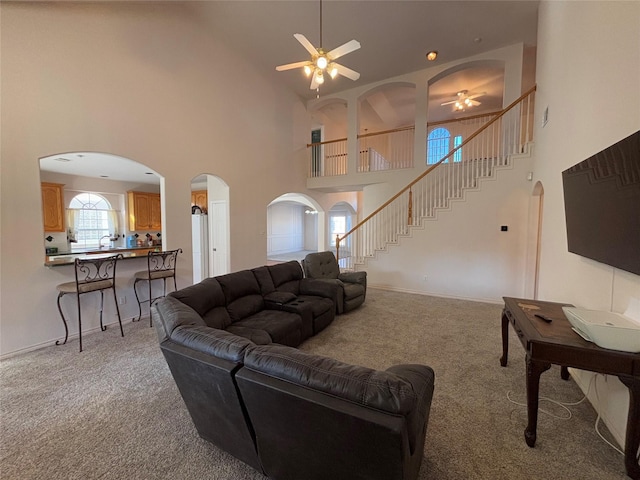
x: 160, y: 266
x: 92, y: 275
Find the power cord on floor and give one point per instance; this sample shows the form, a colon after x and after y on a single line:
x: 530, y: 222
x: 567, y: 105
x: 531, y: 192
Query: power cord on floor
x: 565, y: 406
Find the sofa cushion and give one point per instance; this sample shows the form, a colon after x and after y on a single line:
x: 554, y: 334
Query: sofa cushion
x: 242, y: 294
x: 283, y: 327
x: 287, y: 276
x: 376, y: 389
x: 264, y: 279
x: 280, y: 297
x: 208, y: 300
x: 169, y: 313
x: 211, y: 341
x: 259, y: 337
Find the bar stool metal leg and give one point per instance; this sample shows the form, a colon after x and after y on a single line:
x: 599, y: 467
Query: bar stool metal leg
x: 138, y: 300
x: 66, y: 329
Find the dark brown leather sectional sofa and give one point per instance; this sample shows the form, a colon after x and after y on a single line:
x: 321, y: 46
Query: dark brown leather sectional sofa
x: 229, y: 343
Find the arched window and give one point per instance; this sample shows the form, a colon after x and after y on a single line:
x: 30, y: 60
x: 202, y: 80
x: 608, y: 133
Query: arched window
x: 90, y: 218
x: 439, y: 145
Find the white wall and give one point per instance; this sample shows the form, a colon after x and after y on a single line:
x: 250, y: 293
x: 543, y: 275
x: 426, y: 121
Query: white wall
x: 588, y: 68
x: 141, y: 81
x: 463, y: 253
x: 285, y: 228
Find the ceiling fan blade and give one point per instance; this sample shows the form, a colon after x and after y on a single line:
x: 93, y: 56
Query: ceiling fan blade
x: 475, y: 103
x: 348, y: 47
x: 314, y: 83
x: 346, y: 72
x: 448, y: 103
x: 476, y: 95
x: 306, y: 44
x: 290, y: 66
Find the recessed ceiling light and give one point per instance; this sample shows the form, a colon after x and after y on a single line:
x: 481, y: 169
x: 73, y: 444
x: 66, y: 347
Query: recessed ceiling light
x: 80, y: 155
x: 432, y: 55
x: 149, y: 173
x: 477, y: 39
x: 62, y: 159
x: 104, y: 176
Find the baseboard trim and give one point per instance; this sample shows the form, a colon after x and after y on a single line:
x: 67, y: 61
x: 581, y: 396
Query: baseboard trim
x: 48, y: 343
x: 435, y: 294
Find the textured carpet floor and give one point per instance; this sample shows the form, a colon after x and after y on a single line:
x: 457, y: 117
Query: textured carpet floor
x: 114, y: 412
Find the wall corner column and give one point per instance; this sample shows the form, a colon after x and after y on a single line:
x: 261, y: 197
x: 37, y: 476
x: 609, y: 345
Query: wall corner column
x: 352, y: 136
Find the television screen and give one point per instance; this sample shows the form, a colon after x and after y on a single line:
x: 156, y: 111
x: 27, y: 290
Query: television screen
x: 602, y: 205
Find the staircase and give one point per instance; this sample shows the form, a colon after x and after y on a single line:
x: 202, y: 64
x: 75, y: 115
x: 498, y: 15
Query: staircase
x: 493, y: 147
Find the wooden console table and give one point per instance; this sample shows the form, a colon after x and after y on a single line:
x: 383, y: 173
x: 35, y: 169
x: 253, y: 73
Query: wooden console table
x: 556, y: 343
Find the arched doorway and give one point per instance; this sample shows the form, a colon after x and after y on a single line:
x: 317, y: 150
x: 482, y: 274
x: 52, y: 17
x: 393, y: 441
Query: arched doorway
x: 295, y: 227
x: 210, y: 226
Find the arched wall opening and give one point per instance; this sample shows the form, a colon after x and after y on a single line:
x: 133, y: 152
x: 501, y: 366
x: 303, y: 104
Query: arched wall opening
x: 342, y: 218
x: 131, y: 189
x: 210, y: 226
x: 295, y: 227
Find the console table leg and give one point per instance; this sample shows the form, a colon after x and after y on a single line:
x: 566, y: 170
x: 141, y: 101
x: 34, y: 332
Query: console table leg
x: 505, y: 339
x: 632, y: 440
x: 534, y: 370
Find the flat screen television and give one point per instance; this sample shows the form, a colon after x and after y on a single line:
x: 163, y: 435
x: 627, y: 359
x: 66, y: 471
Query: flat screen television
x: 602, y: 205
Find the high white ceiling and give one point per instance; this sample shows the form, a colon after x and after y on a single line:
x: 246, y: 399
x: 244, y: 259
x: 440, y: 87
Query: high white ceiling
x: 395, y: 37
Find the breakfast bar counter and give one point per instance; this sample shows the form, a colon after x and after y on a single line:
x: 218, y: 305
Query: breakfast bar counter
x: 69, y: 258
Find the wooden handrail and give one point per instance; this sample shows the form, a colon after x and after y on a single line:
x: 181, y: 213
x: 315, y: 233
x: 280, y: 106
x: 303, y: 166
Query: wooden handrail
x: 402, y: 129
x: 430, y: 169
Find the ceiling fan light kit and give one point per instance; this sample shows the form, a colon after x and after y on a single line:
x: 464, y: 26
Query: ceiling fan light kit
x: 464, y: 101
x: 322, y: 61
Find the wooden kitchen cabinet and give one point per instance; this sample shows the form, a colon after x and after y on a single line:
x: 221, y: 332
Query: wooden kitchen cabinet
x: 53, y: 206
x: 199, y: 198
x: 144, y: 211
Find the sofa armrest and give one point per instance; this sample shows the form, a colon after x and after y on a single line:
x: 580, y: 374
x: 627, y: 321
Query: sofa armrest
x: 421, y: 378
x: 320, y: 288
x: 354, y: 277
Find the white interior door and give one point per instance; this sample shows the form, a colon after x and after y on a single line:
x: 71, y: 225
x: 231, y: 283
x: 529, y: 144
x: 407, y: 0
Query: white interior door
x: 219, y: 243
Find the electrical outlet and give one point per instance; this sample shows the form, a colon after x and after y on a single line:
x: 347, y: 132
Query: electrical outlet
x: 424, y: 278
x: 122, y: 300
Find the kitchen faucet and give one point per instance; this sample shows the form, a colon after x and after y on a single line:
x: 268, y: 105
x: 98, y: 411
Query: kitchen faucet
x: 100, y: 241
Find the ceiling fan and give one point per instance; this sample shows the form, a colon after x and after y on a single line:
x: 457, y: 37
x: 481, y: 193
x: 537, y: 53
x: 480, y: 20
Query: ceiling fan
x: 321, y: 61
x: 464, y: 101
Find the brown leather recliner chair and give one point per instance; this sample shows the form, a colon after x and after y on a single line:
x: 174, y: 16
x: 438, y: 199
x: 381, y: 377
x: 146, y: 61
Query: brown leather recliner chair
x: 352, y: 285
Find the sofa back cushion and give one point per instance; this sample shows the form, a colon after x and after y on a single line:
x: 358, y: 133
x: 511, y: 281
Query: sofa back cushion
x: 212, y: 341
x: 208, y: 300
x: 372, y: 388
x: 286, y: 276
x: 264, y: 280
x: 242, y: 294
x: 321, y: 265
x: 170, y: 313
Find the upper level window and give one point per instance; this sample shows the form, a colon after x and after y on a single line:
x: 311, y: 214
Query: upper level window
x: 90, y: 218
x: 439, y: 145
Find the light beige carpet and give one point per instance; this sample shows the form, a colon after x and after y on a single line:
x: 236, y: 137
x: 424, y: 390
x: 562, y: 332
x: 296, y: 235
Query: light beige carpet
x: 114, y: 412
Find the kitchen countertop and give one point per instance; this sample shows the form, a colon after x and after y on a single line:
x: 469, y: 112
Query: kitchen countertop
x: 69, y: 258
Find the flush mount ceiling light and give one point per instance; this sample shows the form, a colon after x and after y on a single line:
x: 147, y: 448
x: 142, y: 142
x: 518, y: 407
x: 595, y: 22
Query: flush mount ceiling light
x: 432, y: 55
x: 322, y: 61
